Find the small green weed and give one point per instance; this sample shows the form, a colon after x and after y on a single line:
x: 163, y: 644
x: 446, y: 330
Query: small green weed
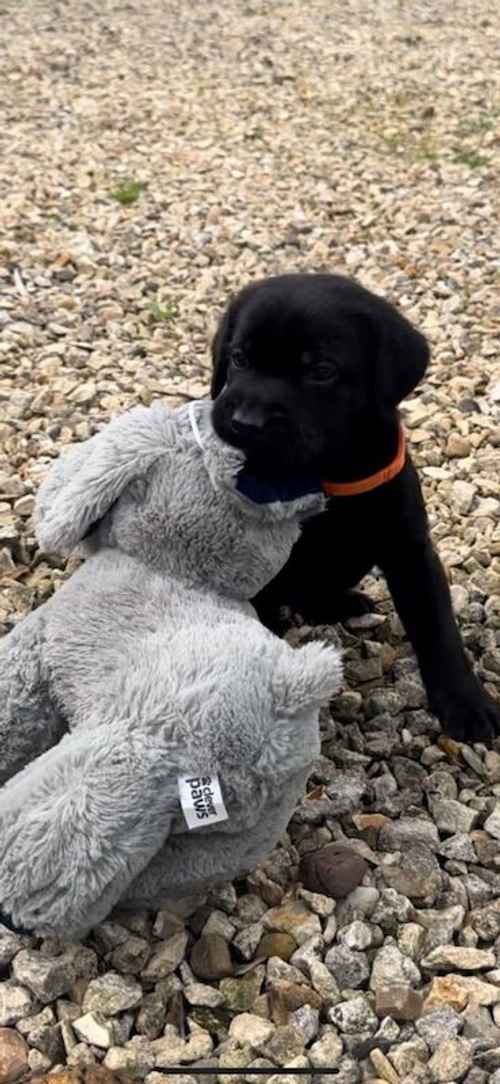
x: 469, y: 158
x: 128, y: 192
x: 165, y: 313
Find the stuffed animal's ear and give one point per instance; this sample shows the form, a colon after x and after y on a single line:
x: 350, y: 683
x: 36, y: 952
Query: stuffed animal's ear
x: 306, y: 677
x: 86, y: 481
x: 399, y: 353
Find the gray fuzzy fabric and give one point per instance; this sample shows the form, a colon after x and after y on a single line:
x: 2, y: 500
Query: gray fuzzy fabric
x: 149, y: 664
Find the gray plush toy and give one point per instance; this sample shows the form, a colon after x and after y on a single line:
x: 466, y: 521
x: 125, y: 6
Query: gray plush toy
x: 154, y: 737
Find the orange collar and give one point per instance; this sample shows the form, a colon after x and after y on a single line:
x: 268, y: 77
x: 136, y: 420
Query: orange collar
x: 365, y: 485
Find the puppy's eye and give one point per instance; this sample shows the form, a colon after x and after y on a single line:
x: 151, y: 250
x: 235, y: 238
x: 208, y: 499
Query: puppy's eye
x: 321, y: 372
x: 238, y: 359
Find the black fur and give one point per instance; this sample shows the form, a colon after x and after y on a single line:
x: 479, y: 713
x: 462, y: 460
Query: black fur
x: 308, y: 373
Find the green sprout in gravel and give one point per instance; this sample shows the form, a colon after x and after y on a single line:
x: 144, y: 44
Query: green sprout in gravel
x: 128, y: 192
x: 163, y: 312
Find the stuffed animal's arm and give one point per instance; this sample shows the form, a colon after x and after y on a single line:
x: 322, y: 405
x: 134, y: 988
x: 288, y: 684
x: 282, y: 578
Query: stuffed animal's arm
x: 78, y: 824
x: 29, y: 721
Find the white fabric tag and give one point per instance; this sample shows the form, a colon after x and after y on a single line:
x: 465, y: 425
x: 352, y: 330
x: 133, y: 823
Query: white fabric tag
x: 201, y: 800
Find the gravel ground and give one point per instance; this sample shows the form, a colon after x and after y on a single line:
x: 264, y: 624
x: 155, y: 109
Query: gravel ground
x: 155, y: 157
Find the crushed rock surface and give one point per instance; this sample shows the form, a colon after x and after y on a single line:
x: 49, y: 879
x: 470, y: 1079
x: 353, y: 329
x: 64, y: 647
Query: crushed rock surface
x: 154, y: 158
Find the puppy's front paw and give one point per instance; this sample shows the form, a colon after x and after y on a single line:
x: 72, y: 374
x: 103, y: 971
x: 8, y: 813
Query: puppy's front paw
x: 468, y: 714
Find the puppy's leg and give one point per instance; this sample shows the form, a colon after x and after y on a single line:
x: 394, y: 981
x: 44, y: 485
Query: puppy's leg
x: 325, y: 564
x: 420, y: 591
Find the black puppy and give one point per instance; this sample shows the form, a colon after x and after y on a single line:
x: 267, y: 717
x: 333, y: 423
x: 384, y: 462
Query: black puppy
x: 308, y: 374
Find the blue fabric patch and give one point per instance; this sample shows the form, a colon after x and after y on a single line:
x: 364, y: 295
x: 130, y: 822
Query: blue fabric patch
x: 270, y: 492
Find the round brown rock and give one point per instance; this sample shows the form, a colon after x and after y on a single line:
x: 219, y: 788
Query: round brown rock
x: 276, y: 944
x: 13, y: 1055
x: 210, y: 958
x: 333, y: 871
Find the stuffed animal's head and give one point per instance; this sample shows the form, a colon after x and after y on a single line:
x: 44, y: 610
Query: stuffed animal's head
x: 160, y: 485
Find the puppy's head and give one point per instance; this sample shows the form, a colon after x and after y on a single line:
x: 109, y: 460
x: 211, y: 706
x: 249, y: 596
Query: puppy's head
x: 304, y: 364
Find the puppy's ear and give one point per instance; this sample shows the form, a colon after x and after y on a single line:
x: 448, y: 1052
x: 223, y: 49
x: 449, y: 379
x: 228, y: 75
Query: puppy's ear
x: 400, y: 353
x: 221, y: 350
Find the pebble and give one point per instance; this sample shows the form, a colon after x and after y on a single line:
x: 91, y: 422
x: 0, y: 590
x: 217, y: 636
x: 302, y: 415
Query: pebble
x: 294, y: 919
x: 399, y: 1001
x: 16, y: 1002
x: 451, y: 1061
x: 47, y: 978
x: 333, y: 871
x: 210, y: 958
x: 350, y: 969
x: 251, y: 1029
x: 327, y: 1051
x: 276, y: 944
x: 111, y: 994
x: 438, y: 1025
x: 167, y: 957
x: 456, y: 957
x: 95, y: 1029
x: 417, y: 875
x: 451, y: 816
x: 13, y: 1056
x: 457, y: 990
x: 390, y: 965
x: 354, y: 1016
x: 492, y: 824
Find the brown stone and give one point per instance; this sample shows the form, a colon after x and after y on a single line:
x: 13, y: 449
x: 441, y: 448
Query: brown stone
x: 88, y: 1074
x: 399, y: 1001
x: 276, y: 944
x: 334, y: 871
x: 457, y: 990
x: 285, y: 997
x: 13, y: 1055
x: 210, y: 958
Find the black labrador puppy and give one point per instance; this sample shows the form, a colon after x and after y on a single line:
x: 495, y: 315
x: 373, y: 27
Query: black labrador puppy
x: 308, y: 373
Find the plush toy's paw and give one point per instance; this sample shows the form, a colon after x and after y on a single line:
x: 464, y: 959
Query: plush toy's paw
x: 78, y: 824
x: 468, y: 713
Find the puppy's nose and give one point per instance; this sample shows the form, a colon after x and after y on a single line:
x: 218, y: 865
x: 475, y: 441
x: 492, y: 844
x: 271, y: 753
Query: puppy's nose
x: 248, y: 417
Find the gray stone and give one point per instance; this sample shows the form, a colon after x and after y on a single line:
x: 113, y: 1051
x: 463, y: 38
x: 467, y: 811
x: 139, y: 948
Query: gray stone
x: 392, y: 909
x: 167, y: 957
x: 327, y: 1051
x: 397, y: 835
x: 349, y: 969
x: 197, y: 993
x: 451, y: 816
x: 486, y: 920
x: 131, y: 956
x: 112, y: 993
x: 357, y: 935
x: 307, y: 1020
x: 354, y: 1016
x: 10, y: 945
x: 437, y: 1026
x: 136, y: 1058
x: 390, y: 966
x: 417, y: 876
x: 451, y: 1061
x: 16, y: 1002
x: 46, y: 977
x: 459, y: 848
